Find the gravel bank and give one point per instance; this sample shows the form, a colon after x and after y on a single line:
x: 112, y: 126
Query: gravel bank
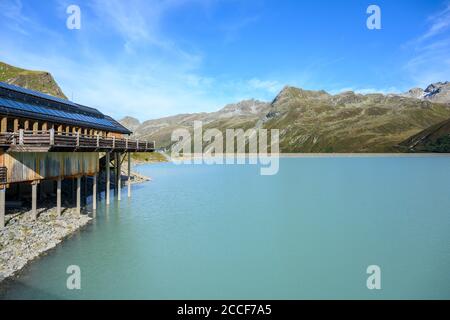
x: 22, y: 240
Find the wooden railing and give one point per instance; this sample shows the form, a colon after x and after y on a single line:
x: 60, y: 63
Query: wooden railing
x: 6, y: 138
x: 55, y: 140
x: 3, y: 175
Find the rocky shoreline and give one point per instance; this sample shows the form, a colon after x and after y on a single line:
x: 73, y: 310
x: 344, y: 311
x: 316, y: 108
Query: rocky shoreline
x: 23, y: 240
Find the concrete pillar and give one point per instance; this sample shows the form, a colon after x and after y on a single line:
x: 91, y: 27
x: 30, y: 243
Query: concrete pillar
x: 108, y: 179
x: 94, y: 192
x: 58, y: 196
x: 119, y: 176
x: 129, y: 175
x: 2, y: 207
x: 34, y: 200
x: 78, y: 211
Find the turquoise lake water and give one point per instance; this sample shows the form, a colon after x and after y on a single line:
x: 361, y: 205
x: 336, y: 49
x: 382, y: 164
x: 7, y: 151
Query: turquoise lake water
x: 226, y: 232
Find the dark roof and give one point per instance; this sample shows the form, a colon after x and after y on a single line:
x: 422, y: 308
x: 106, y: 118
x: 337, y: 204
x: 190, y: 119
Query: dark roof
x: 21, y: 102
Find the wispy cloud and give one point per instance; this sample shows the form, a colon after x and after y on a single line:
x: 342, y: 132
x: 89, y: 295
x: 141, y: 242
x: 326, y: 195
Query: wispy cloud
x: 430, y: 61
x: 150, y: 76
x: 232, y: 29
x: 363, y: 90
x: 439, y: 23
x: 270, y: 86
x: 12, y: 13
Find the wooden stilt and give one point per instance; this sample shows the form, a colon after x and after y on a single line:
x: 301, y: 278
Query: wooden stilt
x: 58, y: 196
x: 78, y: 195
x: 85, y: 192
x: 34, y: 200
x: 129, y: 175
x: 119, y: 176
x: 115, y: 173
x: 2, y: 207
x: 108, y: 179
x: 94, y: 192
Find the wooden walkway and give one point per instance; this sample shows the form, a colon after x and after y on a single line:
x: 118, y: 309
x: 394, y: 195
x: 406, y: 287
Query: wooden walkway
x: 54, y: 141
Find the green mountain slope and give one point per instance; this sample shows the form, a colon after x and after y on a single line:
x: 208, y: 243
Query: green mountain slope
x: 35, y: 80
x: 245, y: 114
x: 315, y: 121
x: 433, y: 139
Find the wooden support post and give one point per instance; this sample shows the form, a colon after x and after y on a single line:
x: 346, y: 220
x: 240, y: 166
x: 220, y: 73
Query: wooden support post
x: 129, y: 174
x: 35, y: 127
x: 94, y: 192
x: 60, y: 128
x: 26, y: 125
x: 108, y: 179
x: 52, y: 137
x: 119, y: 176
x: 4, y: 124
x: 58, y: 196
x: 115, y: 173
x: 44, y: 126
x: 21, y: 134
x: 85, y: 188
x: 16, y: 125
x: 34, y: 200
x: 78, y: 195
x: 2, y: 207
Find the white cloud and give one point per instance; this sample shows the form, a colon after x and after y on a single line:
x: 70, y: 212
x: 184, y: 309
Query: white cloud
x: 12, y: 12
x: 270, y: 86
x: 431, y: 51
x: 364, y: 90
x: 150, y: 77
x: 439, y: 23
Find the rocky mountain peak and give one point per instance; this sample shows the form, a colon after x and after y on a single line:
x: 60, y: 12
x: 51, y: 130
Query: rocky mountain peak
x: 289, y: 92
x: 435, y: 92
x: 245, y: 107
x: 130, y: 123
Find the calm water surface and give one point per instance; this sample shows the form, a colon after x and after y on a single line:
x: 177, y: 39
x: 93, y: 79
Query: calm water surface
x: 206, y: 232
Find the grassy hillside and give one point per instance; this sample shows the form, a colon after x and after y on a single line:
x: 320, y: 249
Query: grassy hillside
x: 147, y: 157
x: 433, y: 139
x: 315, y: 121
x: 348, y: 122
x: 35, y: 80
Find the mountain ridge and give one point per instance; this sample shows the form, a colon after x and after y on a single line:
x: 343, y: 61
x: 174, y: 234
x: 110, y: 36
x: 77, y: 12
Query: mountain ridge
x: 308, y: 120
x: 316, y: 121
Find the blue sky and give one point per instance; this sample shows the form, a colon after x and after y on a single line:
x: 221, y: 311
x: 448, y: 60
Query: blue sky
x: 149, y: 58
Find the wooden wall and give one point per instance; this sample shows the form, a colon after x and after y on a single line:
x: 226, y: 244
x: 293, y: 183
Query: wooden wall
x: 29, y: 166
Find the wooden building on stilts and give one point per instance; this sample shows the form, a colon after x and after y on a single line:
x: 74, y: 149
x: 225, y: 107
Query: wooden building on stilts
x: 45, y: 140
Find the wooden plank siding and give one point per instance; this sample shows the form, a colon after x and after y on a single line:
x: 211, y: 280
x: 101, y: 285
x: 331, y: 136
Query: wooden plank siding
x: 30, y: 166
